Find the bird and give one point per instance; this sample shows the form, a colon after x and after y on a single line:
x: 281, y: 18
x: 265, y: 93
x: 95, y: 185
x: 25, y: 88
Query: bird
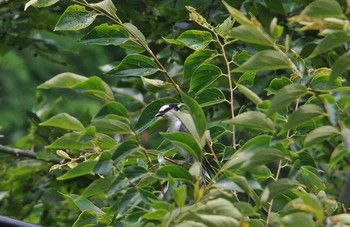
x: 175, y: 125
x: 170, y: 113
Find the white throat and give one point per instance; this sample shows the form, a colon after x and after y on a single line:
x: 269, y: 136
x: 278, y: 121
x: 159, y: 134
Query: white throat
x: 174, y: 122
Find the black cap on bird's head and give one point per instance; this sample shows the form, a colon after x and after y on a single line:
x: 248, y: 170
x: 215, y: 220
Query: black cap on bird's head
x: 166, y: 108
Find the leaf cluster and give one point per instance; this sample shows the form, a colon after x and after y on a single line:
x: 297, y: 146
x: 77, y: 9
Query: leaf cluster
x: 264, y: 101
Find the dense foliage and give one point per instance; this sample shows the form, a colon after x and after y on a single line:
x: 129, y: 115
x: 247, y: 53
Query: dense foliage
x: 266, y: 86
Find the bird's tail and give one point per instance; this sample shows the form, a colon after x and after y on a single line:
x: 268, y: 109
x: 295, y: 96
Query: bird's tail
x: 207, y: 172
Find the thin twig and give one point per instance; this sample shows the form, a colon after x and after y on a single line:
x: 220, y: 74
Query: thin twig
x: 116, y: 20
x: 271, y: 202
x: 211, y: 149
x: 24, y: 153
x: 228, y: 69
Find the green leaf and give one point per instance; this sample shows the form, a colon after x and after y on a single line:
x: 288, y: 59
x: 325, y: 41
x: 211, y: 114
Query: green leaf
x: 196, y: 112
x: 40, y: 3
x: 245, y: 208
x: 105, y: 6
x: 210, y: 96
x: 321, y: 82
x: 216, y: 131
x: 44, y: 155
x: 132, y: 46
x: 70, y: 141
x: 135, y: 32
x: 249, y: 94
x: 337, y: 155
x: 219, y: 206
x: 276, y: 188
x: 265, y: 60
x: 98, y: 186
x: 203, y: 76
x: 134, y: 172
x: 248, y: 160
x: 286, y: 96
x: 250, y: 34
x: 155, y: 215
x: 297, y: 219
x: 135, y: 65
x: 95, y: 87
x: 330, y: 42
x: 218, y: 220
x: 276, y: 30
x: 303, y: 114
x: 254, y: 222
x: 309, y: 203
x: 194, y: 60
x: 148, y: 114
x: 310, y: 180
x: 276, y: 84
x: 63, y: 80
x: 341, y: 65
x: 64, y: 121
x: 346, y: 137
x: 74, y: 18
x: 239, y: 16
x: 155, y: 85
x: 110, y: 125
x: 129, y: 200
x: 188, y: 122
x: 84, y: 168
x: 323, y: 9
x: 176, y: 172
x: 238, y: 183
x: 254, y: 153
x: 224, y: 27
x: 104, y: 168
x: 180, y: 194
x: 320, y: 134
x: 257, y: 142
x: 185, y: 141
x: 86, y: 218
x: 147, y: 195
x: 123, y: 150
x: 104, y: 141
x: 115, y: 108
x: 105, y: 34
x: 253, y: 120
x: 247, y: 78
x: 119, y: 184
x: 84, y: 204
x: 194, y: 39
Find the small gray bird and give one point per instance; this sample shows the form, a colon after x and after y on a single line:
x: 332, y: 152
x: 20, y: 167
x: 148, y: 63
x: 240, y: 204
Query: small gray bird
x: 175, y: 125
x: 170, y: 112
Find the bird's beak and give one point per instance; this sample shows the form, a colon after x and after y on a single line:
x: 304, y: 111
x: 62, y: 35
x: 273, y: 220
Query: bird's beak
x: 158, y: 115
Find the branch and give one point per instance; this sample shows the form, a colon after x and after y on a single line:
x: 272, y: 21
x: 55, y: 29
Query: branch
x: 230, y: 83
x: 6, y: 221
x: 116, y: 20
x: 24, y: 153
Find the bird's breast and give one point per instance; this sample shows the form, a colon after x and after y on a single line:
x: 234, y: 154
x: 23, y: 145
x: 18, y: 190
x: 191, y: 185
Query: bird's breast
x: 175, y: 125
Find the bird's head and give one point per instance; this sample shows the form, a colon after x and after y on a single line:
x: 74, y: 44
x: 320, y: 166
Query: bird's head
x: 168, y: 110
